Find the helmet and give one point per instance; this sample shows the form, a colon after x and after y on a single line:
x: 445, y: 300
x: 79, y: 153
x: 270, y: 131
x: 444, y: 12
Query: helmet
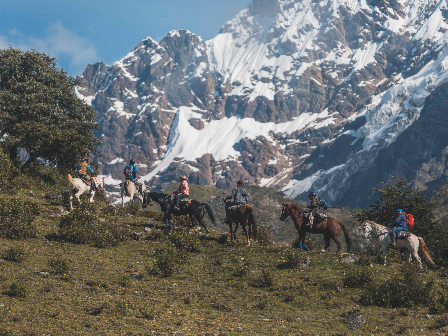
x: 132, y: 162
x: 312, y: 194
x: 183, y: 177
x: 400, y: 210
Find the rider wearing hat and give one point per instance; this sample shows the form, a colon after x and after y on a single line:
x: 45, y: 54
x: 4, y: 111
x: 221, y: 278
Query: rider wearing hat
x: 82, y: 169
x: 398, y: 225
x: 130, y: 173
x: 182, y: 192
x: 314, y: 207
x: 239, y: 196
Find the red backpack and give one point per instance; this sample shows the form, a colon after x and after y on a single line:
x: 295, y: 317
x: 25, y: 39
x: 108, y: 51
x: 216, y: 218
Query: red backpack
x: 409, y: 221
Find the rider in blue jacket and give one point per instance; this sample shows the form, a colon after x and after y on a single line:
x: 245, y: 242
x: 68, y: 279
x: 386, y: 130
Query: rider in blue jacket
x: 130, y: 173
x: 398, y: 225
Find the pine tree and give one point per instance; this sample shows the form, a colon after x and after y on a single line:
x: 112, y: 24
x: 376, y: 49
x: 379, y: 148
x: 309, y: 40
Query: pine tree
x: 40, y: 112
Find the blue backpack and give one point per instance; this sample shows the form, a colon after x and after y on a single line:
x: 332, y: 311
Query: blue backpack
x: 323, y: 204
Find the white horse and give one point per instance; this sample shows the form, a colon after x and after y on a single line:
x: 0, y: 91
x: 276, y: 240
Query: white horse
x: 129, y: 189
x: 81, y: 187
x: 373, y: 230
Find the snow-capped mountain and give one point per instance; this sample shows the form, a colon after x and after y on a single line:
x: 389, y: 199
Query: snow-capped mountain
x: 334, y: 96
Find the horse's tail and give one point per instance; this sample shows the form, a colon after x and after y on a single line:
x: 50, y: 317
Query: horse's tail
x: 70, y: 180
x: 426, y: 251
x: 209, y: 212
x: 347, y: 236
x: 254, y: 222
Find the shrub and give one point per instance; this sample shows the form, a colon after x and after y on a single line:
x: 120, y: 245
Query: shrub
x: 4, y: 332
x: 439, y: 302
x: 265, y: 280
x: 407, y: 291
x: 18, y: 288
x: 122, y: 307
x: 17, y: 218
x: 147, y: 312
x: 6, y: 172
x: 185, y: 241
x: 223, y: 239
x: 167, y: 259
x: 83, y: 226
x: 291, y: 259
x: 16, y: 254
x: 358, y: 277
x: 155, y: 234
x: 59, y: 266
x: 264, y: 236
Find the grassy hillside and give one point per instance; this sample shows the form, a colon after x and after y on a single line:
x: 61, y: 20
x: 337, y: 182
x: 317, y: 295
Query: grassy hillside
x: 62, y: 288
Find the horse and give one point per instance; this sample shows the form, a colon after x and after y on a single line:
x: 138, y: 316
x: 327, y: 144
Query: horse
x: 244, y: 215
x: 373, y: 230
x: 330, y: 227
x: 129, y: 189
x: 81, y: 187
x: 196, y: 210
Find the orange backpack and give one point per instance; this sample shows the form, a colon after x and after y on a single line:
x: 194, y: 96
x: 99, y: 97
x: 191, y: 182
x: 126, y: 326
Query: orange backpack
x: 409, y: 221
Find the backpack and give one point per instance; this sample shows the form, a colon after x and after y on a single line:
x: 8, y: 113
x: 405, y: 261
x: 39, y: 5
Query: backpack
x: 323, y: 204
x: 128, y: 172
x: 409, y: 221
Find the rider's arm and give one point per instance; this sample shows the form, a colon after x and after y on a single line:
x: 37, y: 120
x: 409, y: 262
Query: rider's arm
x: 77, y: 167
x: 134, y: 171
x: 90, y: 169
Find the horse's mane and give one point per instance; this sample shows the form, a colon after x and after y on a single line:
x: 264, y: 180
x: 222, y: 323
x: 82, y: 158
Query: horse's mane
x: 293, y: 206
x: 378, y: 226
x: 156, y: 195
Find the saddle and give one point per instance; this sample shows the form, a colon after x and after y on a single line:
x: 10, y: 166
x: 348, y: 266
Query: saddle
x: 403, y: 235
x: 233, y: 208
x: 185, y: 201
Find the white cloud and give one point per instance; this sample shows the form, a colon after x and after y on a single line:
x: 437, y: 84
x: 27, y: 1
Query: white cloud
x: 59, y: 42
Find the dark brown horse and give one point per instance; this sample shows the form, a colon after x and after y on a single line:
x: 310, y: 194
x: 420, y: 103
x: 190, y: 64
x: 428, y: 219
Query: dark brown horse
x: 244, y: 215
x: 330, y: 227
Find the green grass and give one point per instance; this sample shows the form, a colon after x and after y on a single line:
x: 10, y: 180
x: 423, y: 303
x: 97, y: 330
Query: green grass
x: 80, y: 289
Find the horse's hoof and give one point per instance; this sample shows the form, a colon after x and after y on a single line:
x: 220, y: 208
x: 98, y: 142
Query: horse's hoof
x: 323, y: 250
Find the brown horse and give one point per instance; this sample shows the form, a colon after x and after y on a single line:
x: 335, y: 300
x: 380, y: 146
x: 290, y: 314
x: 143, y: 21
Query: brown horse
x: 330, y: 227
x: 244, y: 215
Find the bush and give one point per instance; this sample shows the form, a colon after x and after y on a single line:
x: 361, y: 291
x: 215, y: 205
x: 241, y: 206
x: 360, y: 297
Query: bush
x: 223, y: 239
x: 265, y: 280
x: 18, y: 288
x: 264, y: 236
x: 83, y: 226
x: 407, y: 291
x: 358, y: 277
x: 185, y: 241
x: 17, y: 218
x: 439, y: 302
x: 59, y: 266
x: 6, y: 172
x: 147, y: 312
x: 167, y: 259
x: 155, y: 234
x: 291, y: 259
x: 16, y: 254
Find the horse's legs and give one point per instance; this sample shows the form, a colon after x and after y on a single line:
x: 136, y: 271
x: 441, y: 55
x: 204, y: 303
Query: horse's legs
x: 193, y: 223
x: 200, y: 219
x: 79, y: 193
x: 338, y: 243
x: 415, y: 255
x: 237, y: 224
x: 327, y: 241
x: 91, y: 196
x: 71, y: 197
x: 245, y: 232
x: 408, y: 256
x: 384, y: 250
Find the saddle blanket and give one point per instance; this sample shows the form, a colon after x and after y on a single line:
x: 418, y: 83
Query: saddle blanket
x: 403, y: 234
x: 184, y: 201
x: 233, y: 208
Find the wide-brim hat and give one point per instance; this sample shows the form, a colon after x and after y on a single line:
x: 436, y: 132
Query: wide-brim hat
x: 183, y: 177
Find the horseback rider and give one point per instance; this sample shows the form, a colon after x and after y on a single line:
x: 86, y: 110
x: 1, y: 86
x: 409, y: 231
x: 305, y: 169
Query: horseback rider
x: 82, y: 169
x: 315, y: 207
x: 182, y: 192
x: 398, y: 225
x: 239, y: 196
x: 130, y: 174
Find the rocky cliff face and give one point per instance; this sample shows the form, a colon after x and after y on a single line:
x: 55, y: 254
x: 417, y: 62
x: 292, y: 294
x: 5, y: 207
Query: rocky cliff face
x: 296, y: 95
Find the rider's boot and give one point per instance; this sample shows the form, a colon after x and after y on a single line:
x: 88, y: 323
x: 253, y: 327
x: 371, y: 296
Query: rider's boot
x: 392, y: 239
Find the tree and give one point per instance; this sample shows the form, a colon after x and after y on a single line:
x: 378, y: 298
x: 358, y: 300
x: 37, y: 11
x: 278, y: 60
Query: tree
x: 40, y: 112
x: 397, y: 195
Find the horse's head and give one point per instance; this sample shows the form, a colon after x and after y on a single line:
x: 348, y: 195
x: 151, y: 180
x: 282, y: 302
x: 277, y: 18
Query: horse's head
x: 367, y: 230
x: 286, y: 211
x: 146, y: 200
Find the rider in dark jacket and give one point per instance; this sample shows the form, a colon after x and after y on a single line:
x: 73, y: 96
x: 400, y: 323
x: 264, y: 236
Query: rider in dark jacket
x: 398, y: 225
x: 315, y: 207
x: 239, y: 196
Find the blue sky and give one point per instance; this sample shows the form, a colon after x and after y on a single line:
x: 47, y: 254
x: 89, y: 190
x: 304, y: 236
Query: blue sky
x: 79, y: 32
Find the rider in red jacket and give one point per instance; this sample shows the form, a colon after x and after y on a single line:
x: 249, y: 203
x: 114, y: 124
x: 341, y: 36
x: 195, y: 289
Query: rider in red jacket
x: 182, y: 192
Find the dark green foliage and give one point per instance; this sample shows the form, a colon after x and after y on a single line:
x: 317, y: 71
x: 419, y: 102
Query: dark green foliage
x: 6, y: 173
x: 185, y: 241
x: 291, y: 259
x: 15, y: 254
x: 358, y: 277
x: 18, y: 288
x: 40, y: 111
x: 223, y: 239
x: 264, y: 280
x: 59, y: 266
x: 147, y: 312
x: 5, y: 333
x: 397, y: 195
x: 17, y: 217
x: 439, y: 302
x: 264, y: 236
x: 84, y: 226
x: 408, y: 290
x: 167, y: 260
x: 155, y: 234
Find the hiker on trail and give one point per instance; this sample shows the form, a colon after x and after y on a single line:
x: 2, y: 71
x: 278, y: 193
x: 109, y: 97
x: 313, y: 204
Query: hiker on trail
x: 82, y: 169
x: 398, y: 225
x: 130, y: 173
x: 182, y: 192
x: 239, y: 196
x: 315, y: 207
